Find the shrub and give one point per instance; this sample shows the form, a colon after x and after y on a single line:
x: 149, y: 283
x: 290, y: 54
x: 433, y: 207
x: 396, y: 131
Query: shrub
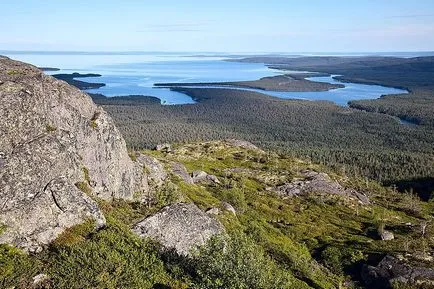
x: 338, y: 259
x: 16, y: 268
x: 237, y: 263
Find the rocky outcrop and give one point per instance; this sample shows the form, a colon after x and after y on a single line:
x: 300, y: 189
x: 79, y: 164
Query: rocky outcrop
x: 242, y: 144
x: 165, y: 147
x: 181, y: 227
x: 156, y: 172
x: 392, y: 270
x: 180, y: 171
x: 58, y: 150
x: 228, y: 207
x: 201, y: 176
x: 315, y: 182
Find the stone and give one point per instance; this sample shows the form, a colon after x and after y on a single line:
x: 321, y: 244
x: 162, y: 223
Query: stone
x: 182, y: 227
x: 387, y: 235
x: 40, y: 279
x: 164, y: 148
x: 200, y: 176
x: 157, y: 175
x: 213, y: 211
x: 179, y: 170
x: 315, y: 182
x: 213, y: 179
x: 391, y: 270
x: 242, y: 144
x: 58, y: 151
x: 228, y: 207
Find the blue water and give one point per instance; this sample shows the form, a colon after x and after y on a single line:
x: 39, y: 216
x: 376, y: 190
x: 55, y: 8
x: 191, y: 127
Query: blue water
x: 136, y: 74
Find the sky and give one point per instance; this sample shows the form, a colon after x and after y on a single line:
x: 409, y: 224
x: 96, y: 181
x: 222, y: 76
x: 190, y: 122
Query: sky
x: 218, y: 26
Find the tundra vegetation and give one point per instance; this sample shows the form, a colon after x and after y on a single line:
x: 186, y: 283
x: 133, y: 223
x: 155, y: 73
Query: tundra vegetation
x: 308, y: 241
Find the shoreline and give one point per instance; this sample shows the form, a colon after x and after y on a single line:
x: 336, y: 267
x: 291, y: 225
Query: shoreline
x: 278, y: 83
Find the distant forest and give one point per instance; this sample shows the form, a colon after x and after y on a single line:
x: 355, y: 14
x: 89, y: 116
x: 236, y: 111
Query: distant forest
x: 365, y: 140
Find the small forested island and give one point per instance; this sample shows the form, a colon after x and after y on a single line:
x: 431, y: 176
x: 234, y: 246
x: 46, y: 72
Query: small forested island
x: 288, y: 82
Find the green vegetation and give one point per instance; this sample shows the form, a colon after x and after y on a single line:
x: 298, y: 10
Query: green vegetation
x: 50, y: 128
x: 84, y: 187
x: 315, y: 241
x: 13, y: 72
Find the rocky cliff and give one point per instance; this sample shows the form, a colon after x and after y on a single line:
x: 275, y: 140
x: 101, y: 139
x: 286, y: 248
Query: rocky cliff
x: 58, y: 151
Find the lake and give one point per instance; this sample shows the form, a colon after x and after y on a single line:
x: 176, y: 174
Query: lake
x: 136, y: 74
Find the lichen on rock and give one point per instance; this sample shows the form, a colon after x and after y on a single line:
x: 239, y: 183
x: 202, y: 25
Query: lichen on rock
x: 47, y: 139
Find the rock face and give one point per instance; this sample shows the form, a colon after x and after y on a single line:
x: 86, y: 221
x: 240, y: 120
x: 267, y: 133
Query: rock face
x: 317, y: 183
x: 57, y: 148
x: 181, y: 227
x: 391, y: 270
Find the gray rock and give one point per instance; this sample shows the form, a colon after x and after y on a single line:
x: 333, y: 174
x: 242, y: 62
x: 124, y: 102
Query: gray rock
x: 164, y: 147
x: 228, y: 207
x: 317, y: 183
x: 391, y: 270
x: 156, y: 172
x: 242, y: 144
x: 213, y: 211
x: 179, y: 170
x: 53, y: 137
x: 387, y: 235
x: 200, y: 176
x: 40, y: 278
x: 181, y: 227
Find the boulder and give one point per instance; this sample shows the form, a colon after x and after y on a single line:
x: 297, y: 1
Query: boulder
x: 228, y: 207
x: 157, y: 175
x: 315, y: 182
x: 387, y: 235
x: 200, y: 176
x: 179, y: 170
x: 164, y: 148
x: 392, y: 270
x: 242, y: 144
x: 213, y: 211
x: 57, y: 151
x: 181, y: 227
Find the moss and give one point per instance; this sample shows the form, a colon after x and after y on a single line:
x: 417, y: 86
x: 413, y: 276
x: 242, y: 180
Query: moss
x: 17, y: 268
x: 50, y: 128
x: 86, y: 174
x: 93, y: 124
x: 84, y: 187
x: 76, y: 234
x: 132, y: 154
x: 13, y: 72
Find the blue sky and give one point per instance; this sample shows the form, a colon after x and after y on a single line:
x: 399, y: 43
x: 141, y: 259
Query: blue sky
x: 226, y: 26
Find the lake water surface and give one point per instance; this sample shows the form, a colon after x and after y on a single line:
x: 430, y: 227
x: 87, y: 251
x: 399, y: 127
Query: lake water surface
x: 136, y: 74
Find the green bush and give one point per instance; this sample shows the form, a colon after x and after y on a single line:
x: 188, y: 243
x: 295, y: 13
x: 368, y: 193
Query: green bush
x: 112, y: 258
x: 338, y: 259
x: 237, y: 263
x: 235, y: 197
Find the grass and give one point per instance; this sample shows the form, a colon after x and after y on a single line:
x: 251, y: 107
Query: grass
x: 306, y: 242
